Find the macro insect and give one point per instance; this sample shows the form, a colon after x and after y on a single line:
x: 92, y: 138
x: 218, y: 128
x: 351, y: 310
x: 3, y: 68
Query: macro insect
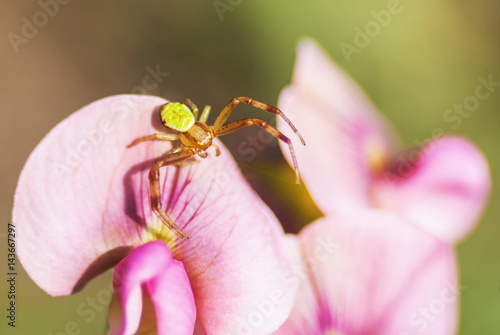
x: 196, y: 137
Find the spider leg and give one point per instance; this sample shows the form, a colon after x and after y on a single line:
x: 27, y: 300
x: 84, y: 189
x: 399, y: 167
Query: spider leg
x: 155, y: 137
x: 224, y: 115
x: 236, y: 125
x: 217, y: 149
x: 154, y: 187
x: 204, y: 114
x: 193, y: 107
x: 188, y: 161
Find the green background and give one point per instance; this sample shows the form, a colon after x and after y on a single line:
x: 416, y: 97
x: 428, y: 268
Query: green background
x: 427, y: 58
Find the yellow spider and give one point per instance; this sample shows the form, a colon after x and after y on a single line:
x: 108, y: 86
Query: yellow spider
x: 196, y: 137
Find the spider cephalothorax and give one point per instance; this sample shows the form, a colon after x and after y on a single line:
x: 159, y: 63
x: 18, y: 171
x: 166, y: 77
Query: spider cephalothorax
x: 196, y: 137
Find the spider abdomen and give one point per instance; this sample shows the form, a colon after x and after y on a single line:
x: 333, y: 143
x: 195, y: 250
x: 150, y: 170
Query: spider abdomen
x: 177, y: 116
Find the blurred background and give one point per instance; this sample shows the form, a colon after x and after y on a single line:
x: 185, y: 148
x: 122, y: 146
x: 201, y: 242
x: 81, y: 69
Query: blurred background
x: 57, y: 56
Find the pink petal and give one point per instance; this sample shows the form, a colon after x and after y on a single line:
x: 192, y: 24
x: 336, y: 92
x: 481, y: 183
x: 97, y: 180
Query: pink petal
x: 375, y: 273
x: 72, y: 197
x: 346, y: 139
x: 151, y: 271
x: 306, y: 310
x: 445, y: 190
x: 94, y: 212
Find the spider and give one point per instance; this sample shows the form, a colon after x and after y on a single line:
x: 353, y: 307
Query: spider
x: 196, y: 137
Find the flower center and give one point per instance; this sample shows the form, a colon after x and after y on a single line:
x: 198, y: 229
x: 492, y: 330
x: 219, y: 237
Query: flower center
x: 376, y: 155
x: 157, y: 231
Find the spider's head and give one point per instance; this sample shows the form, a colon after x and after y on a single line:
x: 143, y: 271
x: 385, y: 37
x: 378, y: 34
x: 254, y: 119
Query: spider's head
x: 177, y: 116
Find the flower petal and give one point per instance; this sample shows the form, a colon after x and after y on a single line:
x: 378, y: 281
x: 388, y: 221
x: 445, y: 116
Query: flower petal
x: 444, y: 191
x: 235, y: 258
x: 89, y: 211
x: 347, y: 141
x: 71, y: 198
x: 374, y: 272
x: 150, y: 270
x: 306, y: 310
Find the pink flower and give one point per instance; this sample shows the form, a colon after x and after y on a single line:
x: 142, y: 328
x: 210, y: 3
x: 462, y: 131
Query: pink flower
x: 82, y: 205
x: 381, y: 260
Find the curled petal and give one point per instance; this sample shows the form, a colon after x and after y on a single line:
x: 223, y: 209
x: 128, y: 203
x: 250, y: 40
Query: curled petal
x: 149, y: 271
x: 374, y: 273
x: 347, y: 141
x: 444, y: 190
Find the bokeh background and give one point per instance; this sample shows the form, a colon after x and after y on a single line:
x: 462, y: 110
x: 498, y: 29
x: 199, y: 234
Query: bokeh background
x: 428, y: 57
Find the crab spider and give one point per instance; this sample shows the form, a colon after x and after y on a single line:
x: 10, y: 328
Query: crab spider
x: 196, y: 137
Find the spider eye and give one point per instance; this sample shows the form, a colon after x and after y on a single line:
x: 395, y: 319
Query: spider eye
x: 176, y: 116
